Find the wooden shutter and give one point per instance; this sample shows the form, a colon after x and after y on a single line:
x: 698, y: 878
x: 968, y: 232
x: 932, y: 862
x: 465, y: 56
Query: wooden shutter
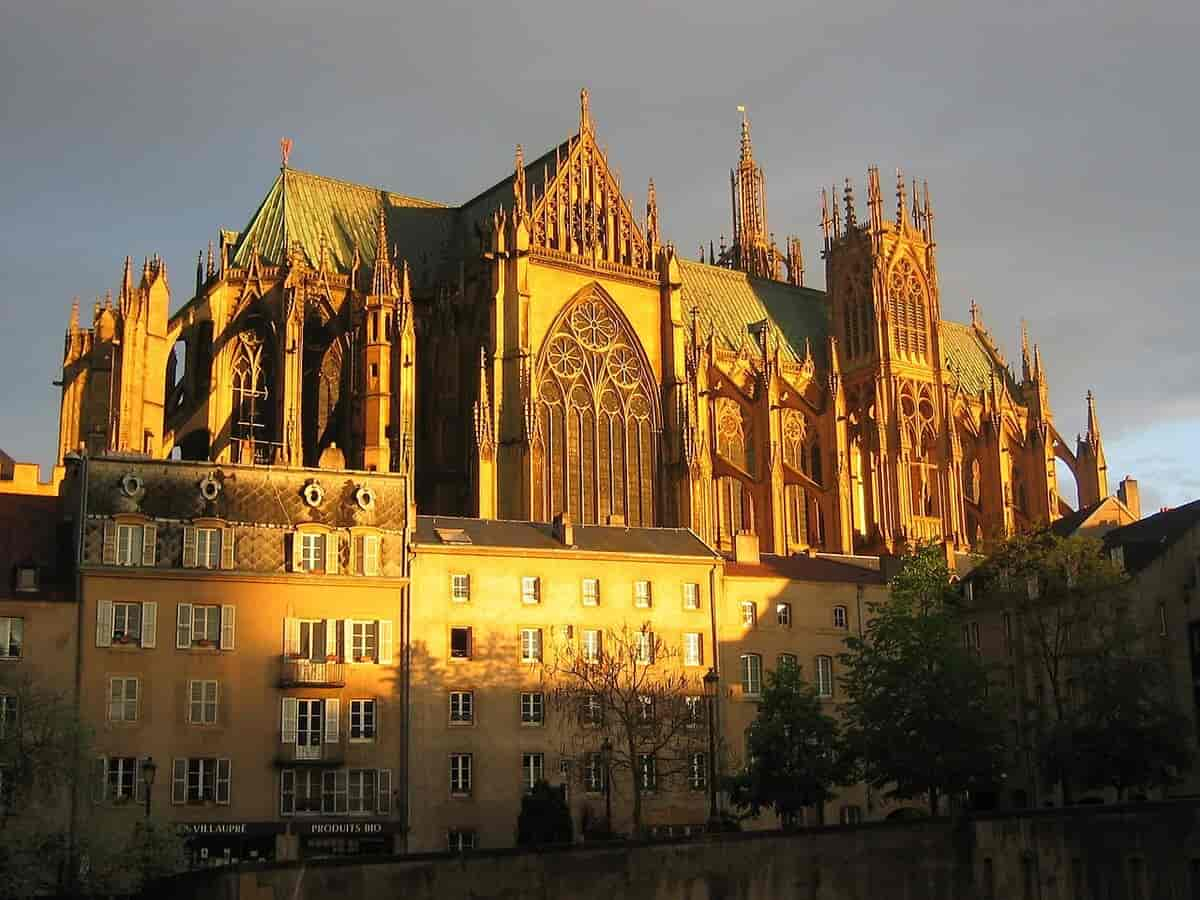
x: 224, y: 776
x: 332, y: 545
x: 287, y: 792
x: 332, y: 714
x: 189, y: 547
x: 149, y: 545
x: 139, y: 785
x: 341, y: 640
x: 183, y: 626
x: 291, y: 636
x: 108, y: 546
x: 370, y: 546
x: 290, y: 716
x: 149, y: 625
x: 100, y: 779
x: 228, y: 620
x: 385, y: 791
x: 179, y: 781
x: 104, y: 623
x: 385, y: 642
x: 227, y: 548
x: 294, y: 555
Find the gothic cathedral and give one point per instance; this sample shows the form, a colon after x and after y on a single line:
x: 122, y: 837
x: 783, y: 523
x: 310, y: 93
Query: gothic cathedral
x: 539, y: 350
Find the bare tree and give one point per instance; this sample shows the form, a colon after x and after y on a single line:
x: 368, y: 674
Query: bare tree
x: 628, y: 692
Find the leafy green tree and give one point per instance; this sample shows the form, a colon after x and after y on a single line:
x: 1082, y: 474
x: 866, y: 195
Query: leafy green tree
x: 545, y: 817
x: 796, y: 755
x: 1101, y: 708
x: 919, y: 713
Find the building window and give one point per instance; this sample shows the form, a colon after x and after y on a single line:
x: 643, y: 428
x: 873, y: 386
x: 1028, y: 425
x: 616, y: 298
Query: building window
x: 593, y: 710
x: 783, y: 614
x: 645, y: 709
x: 698, y: 772
x: 362, y: 720
x: 533, y: 708
x: 127, y: 623
x: 299, y: 791
x: 647, y: 772
x: 645, y: 647
x: 641, y: 594
x: 312, y: 552
x: 532, y: 769
x: 970, y: 633
x: 202, y: 702
x: 840, y: 619
x: 691, y: 596
x: 460, y: 774
x: 531, y: 645
x: 460, y: 588
x: 693, y: 649
x: 591, y: 592
x: 208, y: 548
x: 593, y: 774
x: 530, y: 590
x: 460, y: 643
x: 462, y: 707
x: 593, y: 644
x: 460, y: 840
x: 363, y: 790
x: 749, y: 614
x: 368, y: 554
x: 751, y: 674
x: 314, y: 639
x: 204, y: 626
x: 121, y: 778
x: 824, y: 676
x: 695, y: 711
x: 203, y: 780
x: 364, y: 641
x: 786, y: 660
x: 850, y: 815
x: 129, y: 545
x: 12, y: 637
x: 122, y: 699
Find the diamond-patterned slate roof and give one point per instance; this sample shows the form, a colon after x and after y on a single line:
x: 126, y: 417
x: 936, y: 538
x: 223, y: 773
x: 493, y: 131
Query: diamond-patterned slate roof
x: 968, y: 360
x: 731, y: 300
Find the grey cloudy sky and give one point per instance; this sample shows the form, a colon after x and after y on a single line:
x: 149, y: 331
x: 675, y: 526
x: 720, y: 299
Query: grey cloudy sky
x: 1059, y: 140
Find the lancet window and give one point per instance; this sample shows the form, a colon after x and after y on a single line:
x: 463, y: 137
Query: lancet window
x: 919, y: 421
x: 253, y: 421
x: 735, y: 510
x: 594, y: 448
x: 857, y: 318
x: 796, y: 515
x: 735, y: 434
x: 906, y: 305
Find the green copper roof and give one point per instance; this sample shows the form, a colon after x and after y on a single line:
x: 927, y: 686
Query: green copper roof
x: 304, y: 208
x: 968, y: 362
x: 731, y: 300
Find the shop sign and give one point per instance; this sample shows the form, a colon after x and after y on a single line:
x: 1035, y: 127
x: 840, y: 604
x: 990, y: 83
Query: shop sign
x: 346, y: 829
x: 230, y: 829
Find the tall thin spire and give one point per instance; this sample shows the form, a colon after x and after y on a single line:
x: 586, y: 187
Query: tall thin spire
x: 199, y: 272
x: 381, y: 281
x: 520, y: 210
x: 901, y: 210
x: 851, y: 216
x: 585, y: 111
x: 751, y: 235
x: 74, y: 320
x: 1026, y: 363
x: 1093, y: 421
x: 747, y: 149
x: 209, y: 265
x: 652, y: 218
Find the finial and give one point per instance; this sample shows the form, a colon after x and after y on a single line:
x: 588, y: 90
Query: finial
x: 1026, y: 365
x: 851, y: 216
x: 702, y: 251
x: 285, y: 150
x: 652, y: 218
x: 837, y: 213
x: 199, y: 272
x: 928, y: 215
x: 127, y: 278
x: 901, y: 211
x: 712, y: 257
x: 209, y: 269
x: 519, y: 206
x: 974, y: 313
x: 1038, y: 372
x: 585, y: 113
x: 1093, y: 425
x: 74, y: 321
x: 916, y: 205
x: 747, y: 151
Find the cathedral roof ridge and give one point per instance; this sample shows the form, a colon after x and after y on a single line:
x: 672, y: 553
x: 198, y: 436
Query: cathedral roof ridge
x: 411, y: 199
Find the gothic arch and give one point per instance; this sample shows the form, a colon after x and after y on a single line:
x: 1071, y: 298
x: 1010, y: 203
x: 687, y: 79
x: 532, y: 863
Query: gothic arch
x: 908, y: 309
x: 595, y: 447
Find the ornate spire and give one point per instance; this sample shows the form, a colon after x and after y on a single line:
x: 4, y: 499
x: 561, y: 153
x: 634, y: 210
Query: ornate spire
x: 209, y: 265
x: 795, y: 261
x: 751, y: 242
x: 1093, y: 422
x: 127, y: 279
x: 826, y: 220
x: 652, y: 219
x: 1026, y: 363
x: 520, y: 209
x: 901, y: 210
x: 1038, y: 372
x: 975, y: 314
x: 382, y: 281
x: 874, y: 200
x: 585, y: 111
x: 747, y: 149
x: 73, y: 322
x: 928, y: 223
x: 851, y: 216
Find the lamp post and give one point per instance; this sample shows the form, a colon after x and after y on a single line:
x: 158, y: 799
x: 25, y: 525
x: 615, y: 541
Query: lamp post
x: 711, y: 681
x: 149, y: 770
x: 606, y: 761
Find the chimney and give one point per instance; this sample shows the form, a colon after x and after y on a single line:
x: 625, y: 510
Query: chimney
x: 564, y: 531
x: 1127, y: 493
x: 745, y: 548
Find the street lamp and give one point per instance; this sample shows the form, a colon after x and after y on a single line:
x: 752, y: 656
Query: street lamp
x: 711, y: 681
x: 149, y: 770
x: 606, y: 750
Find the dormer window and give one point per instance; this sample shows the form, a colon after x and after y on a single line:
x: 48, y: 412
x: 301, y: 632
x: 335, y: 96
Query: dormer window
x: 27, y: 577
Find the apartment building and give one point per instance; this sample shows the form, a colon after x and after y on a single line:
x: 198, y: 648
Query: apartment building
x: 239, y: 632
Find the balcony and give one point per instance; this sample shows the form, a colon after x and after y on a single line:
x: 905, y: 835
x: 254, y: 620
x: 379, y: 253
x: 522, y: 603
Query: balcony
x: 302, y: 672
x: 293, y: 755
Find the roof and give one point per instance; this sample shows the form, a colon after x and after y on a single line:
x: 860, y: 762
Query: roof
x: 730, y: 299
x: 540, y: 536
x: 29, y: 533
x: 1068, y: 525
x: 304, y: 208
x: 804, y: 568
x: 968, y: 359
x: 1144, y: 541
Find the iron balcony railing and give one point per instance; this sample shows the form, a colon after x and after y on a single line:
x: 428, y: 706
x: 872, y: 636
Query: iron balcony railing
x: 297, y: 671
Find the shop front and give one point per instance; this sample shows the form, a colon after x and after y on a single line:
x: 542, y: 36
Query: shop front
x: 338, y: 837
x: 226, y: 843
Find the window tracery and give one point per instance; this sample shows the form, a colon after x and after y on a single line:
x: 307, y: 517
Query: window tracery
x: 906, y: 304
x: 594, y: 453
x: 251, y: 376
x: 735, y: 434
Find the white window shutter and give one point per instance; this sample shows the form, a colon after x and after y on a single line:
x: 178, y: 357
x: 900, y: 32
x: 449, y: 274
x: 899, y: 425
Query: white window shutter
x: 149, y: 625
x: 104, y: 623
x: 149, y: 545
x: 100, y: 779
x: 189, y: 547
x: 291, y: 636
x: 228, y: 620
x: 108, y: 546
x: 385, y: 642
x: 183, y: 626
x: 332, y: 719
x: 332, y: 546
x: 224, y: 777
x: 291, y: 712
x: 227, y: 540
x: 385, y: 791
x: 179, y: 781
x: 371, y: 554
